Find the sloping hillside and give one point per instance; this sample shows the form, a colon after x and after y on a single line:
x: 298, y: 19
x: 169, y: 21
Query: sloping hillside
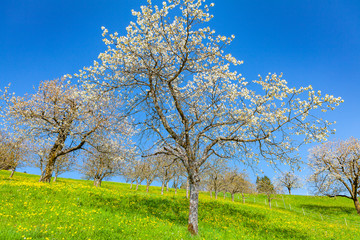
x: 74, y: 209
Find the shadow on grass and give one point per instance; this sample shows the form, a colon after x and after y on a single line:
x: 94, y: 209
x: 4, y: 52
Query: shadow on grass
x: 327, y: 210
x: 175, y: 210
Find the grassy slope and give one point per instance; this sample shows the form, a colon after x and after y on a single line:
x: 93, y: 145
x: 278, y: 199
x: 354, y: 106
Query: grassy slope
x: 74, y: 209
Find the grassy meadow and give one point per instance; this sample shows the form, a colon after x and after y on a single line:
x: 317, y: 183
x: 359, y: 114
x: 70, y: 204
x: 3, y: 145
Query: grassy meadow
x: 75, y: 209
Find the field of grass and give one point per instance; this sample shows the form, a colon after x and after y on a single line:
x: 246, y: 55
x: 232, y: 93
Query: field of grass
x: 74, y: 209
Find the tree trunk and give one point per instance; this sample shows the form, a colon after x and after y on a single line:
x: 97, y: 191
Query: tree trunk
x: 224, y: 194
x: 12, y: 172
x: 243, y: 197
x: 210, y: 193
x: 131, y: 184
x: 232, y: 196
x: 187, y: 188
x: 289, y: 189
x: 357, y: 205
x: 162, y: 187
x: 137, y: 185
x: 167, y: 186
x: 194, y: 204
x: 55, y: 178
x: 216, y: 194
x: 49, y: 168
x: 147, y: 185
x: 56, y: 148
x: 97, y: 182
x: 269, y: 199
x: 175, y: 190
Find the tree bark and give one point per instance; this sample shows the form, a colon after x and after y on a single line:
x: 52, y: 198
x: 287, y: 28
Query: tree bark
x: 55, y: 178
x: 232, y: 197
x: 224, y: 194
x: 269, y: 200
x: 12, y: 172
x: 187, y: 188
x: 97, y: 182
x: 357, y: 205
x: 167, y: 186
x: 147, y: 185
x: 194, y: 204
x: 289, y: 189
x: 137, y: 185
x: 216, y: 194
x: 210, y: 193
x: 162, y: 187
x: 55, y: 149
x: 243, y: 198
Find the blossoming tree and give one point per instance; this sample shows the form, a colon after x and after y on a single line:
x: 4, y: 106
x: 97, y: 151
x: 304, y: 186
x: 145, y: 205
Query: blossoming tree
x: 336, y: 167
x: 62, y: 114
x: 172, y: 69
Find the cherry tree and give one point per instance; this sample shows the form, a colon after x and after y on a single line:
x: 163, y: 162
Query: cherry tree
x: 214, y: 175
x: 172, y: 72
x: 289, y: 181
x: 105, y: 157
x: 65, y: 115
x: 13, y: 152
x: 336, y: 169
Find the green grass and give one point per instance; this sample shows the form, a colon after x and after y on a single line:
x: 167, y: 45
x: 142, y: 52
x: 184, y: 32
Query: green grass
x: 74, y: 209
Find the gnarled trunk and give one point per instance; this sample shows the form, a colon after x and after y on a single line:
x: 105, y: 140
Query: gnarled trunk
x: 56, y: 148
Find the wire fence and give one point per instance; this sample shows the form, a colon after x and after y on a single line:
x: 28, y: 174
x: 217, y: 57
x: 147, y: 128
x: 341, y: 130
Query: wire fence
x: 281, y: 203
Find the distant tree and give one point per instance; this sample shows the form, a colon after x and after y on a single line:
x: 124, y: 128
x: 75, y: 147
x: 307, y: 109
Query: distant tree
x: 214, y: 175
x: 265, y: 186
x: 13, y: 151
x: 236, y: 182
x: 336, y: 169
x: 105, y: 157
x: 63, y: 164
x: 150, y: 167
x: 166, y: 170
x: 289, y: 180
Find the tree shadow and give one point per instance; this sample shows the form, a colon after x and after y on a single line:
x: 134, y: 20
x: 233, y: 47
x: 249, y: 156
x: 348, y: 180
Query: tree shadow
x: 327, y: 210
x: 175, y: 210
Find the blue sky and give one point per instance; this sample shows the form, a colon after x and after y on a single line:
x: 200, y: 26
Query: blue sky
x: 311, y: 42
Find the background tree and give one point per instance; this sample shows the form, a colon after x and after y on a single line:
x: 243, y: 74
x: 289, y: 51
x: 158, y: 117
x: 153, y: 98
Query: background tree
x: 264, y: 186
x: 63, y: 164
x: 170, y: 67
x: 336, y: 169
x: 106, y: 156
x: 13, y: 152
x: 215, y: 174
x: 289, y: 181
x: 236, y: 183
x: 65, y: 115
x: 150, y: 168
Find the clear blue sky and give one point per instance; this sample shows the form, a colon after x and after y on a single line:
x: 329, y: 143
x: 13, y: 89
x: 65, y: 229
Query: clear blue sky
x: 311, y: 42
